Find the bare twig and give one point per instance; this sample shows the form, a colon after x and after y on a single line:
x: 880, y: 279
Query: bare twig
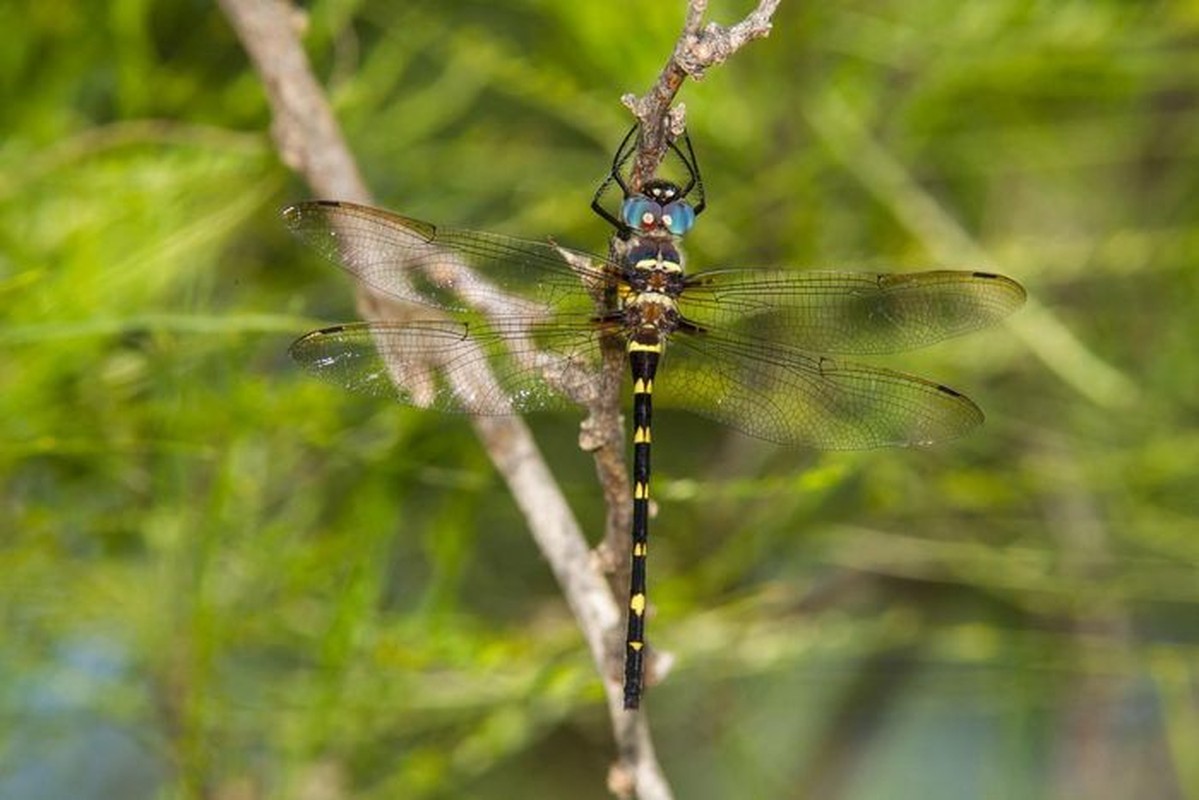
x: 698, y: 48
x: 310, y: 141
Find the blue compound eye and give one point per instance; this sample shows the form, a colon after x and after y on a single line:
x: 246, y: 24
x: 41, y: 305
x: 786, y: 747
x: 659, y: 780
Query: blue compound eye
x: 640, y: 213
x: 678, y: 217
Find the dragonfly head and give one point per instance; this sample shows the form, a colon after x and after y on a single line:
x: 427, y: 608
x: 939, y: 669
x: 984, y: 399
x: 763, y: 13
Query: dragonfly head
x: 659, y: 206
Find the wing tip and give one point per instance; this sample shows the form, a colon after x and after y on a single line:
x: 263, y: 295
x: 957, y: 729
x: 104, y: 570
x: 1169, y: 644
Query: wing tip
x: 300, y: 346
x: 1013, y: 287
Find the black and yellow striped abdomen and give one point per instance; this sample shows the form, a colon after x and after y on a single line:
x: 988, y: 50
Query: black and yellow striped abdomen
x: 643, y: 361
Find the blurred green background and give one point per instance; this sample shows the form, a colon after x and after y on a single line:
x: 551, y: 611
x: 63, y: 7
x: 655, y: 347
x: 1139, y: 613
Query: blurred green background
x: 220, y: 579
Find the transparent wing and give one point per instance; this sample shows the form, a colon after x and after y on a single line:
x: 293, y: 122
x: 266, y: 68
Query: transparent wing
x: 794, y: 398
x: 515, y: 366
x: 418, y: 262
x: 849, y: 312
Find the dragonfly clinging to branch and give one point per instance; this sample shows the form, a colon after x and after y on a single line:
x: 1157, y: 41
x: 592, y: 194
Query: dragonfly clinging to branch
x: 751, y: 348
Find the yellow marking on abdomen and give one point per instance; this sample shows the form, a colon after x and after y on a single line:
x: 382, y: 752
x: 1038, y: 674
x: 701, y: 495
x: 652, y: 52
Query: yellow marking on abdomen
x: 640, y: 491
x: 641, y: 436
x: 640, y: 347
x: 643, y: 387
x: 639, y: 550
x: 637, y: 604
x: 636, y: 646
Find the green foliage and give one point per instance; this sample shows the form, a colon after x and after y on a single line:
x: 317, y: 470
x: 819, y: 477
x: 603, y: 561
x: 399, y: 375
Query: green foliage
x: 222, y: 580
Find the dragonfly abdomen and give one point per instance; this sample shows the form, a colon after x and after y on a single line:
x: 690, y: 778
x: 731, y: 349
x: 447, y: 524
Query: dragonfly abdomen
x: 643, y: 362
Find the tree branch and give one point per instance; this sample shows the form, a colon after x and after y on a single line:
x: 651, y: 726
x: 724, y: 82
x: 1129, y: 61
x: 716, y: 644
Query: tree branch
x: 698, y: 48
x: 310, y: 141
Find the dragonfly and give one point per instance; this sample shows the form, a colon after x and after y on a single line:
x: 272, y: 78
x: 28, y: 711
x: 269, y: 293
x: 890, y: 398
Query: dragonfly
x: 509, y: 325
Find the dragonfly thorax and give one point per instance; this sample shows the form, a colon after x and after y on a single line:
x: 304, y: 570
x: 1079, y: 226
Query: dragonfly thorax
x: 650, y: 311
x: 654, y: 265
x: 653, y: 275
